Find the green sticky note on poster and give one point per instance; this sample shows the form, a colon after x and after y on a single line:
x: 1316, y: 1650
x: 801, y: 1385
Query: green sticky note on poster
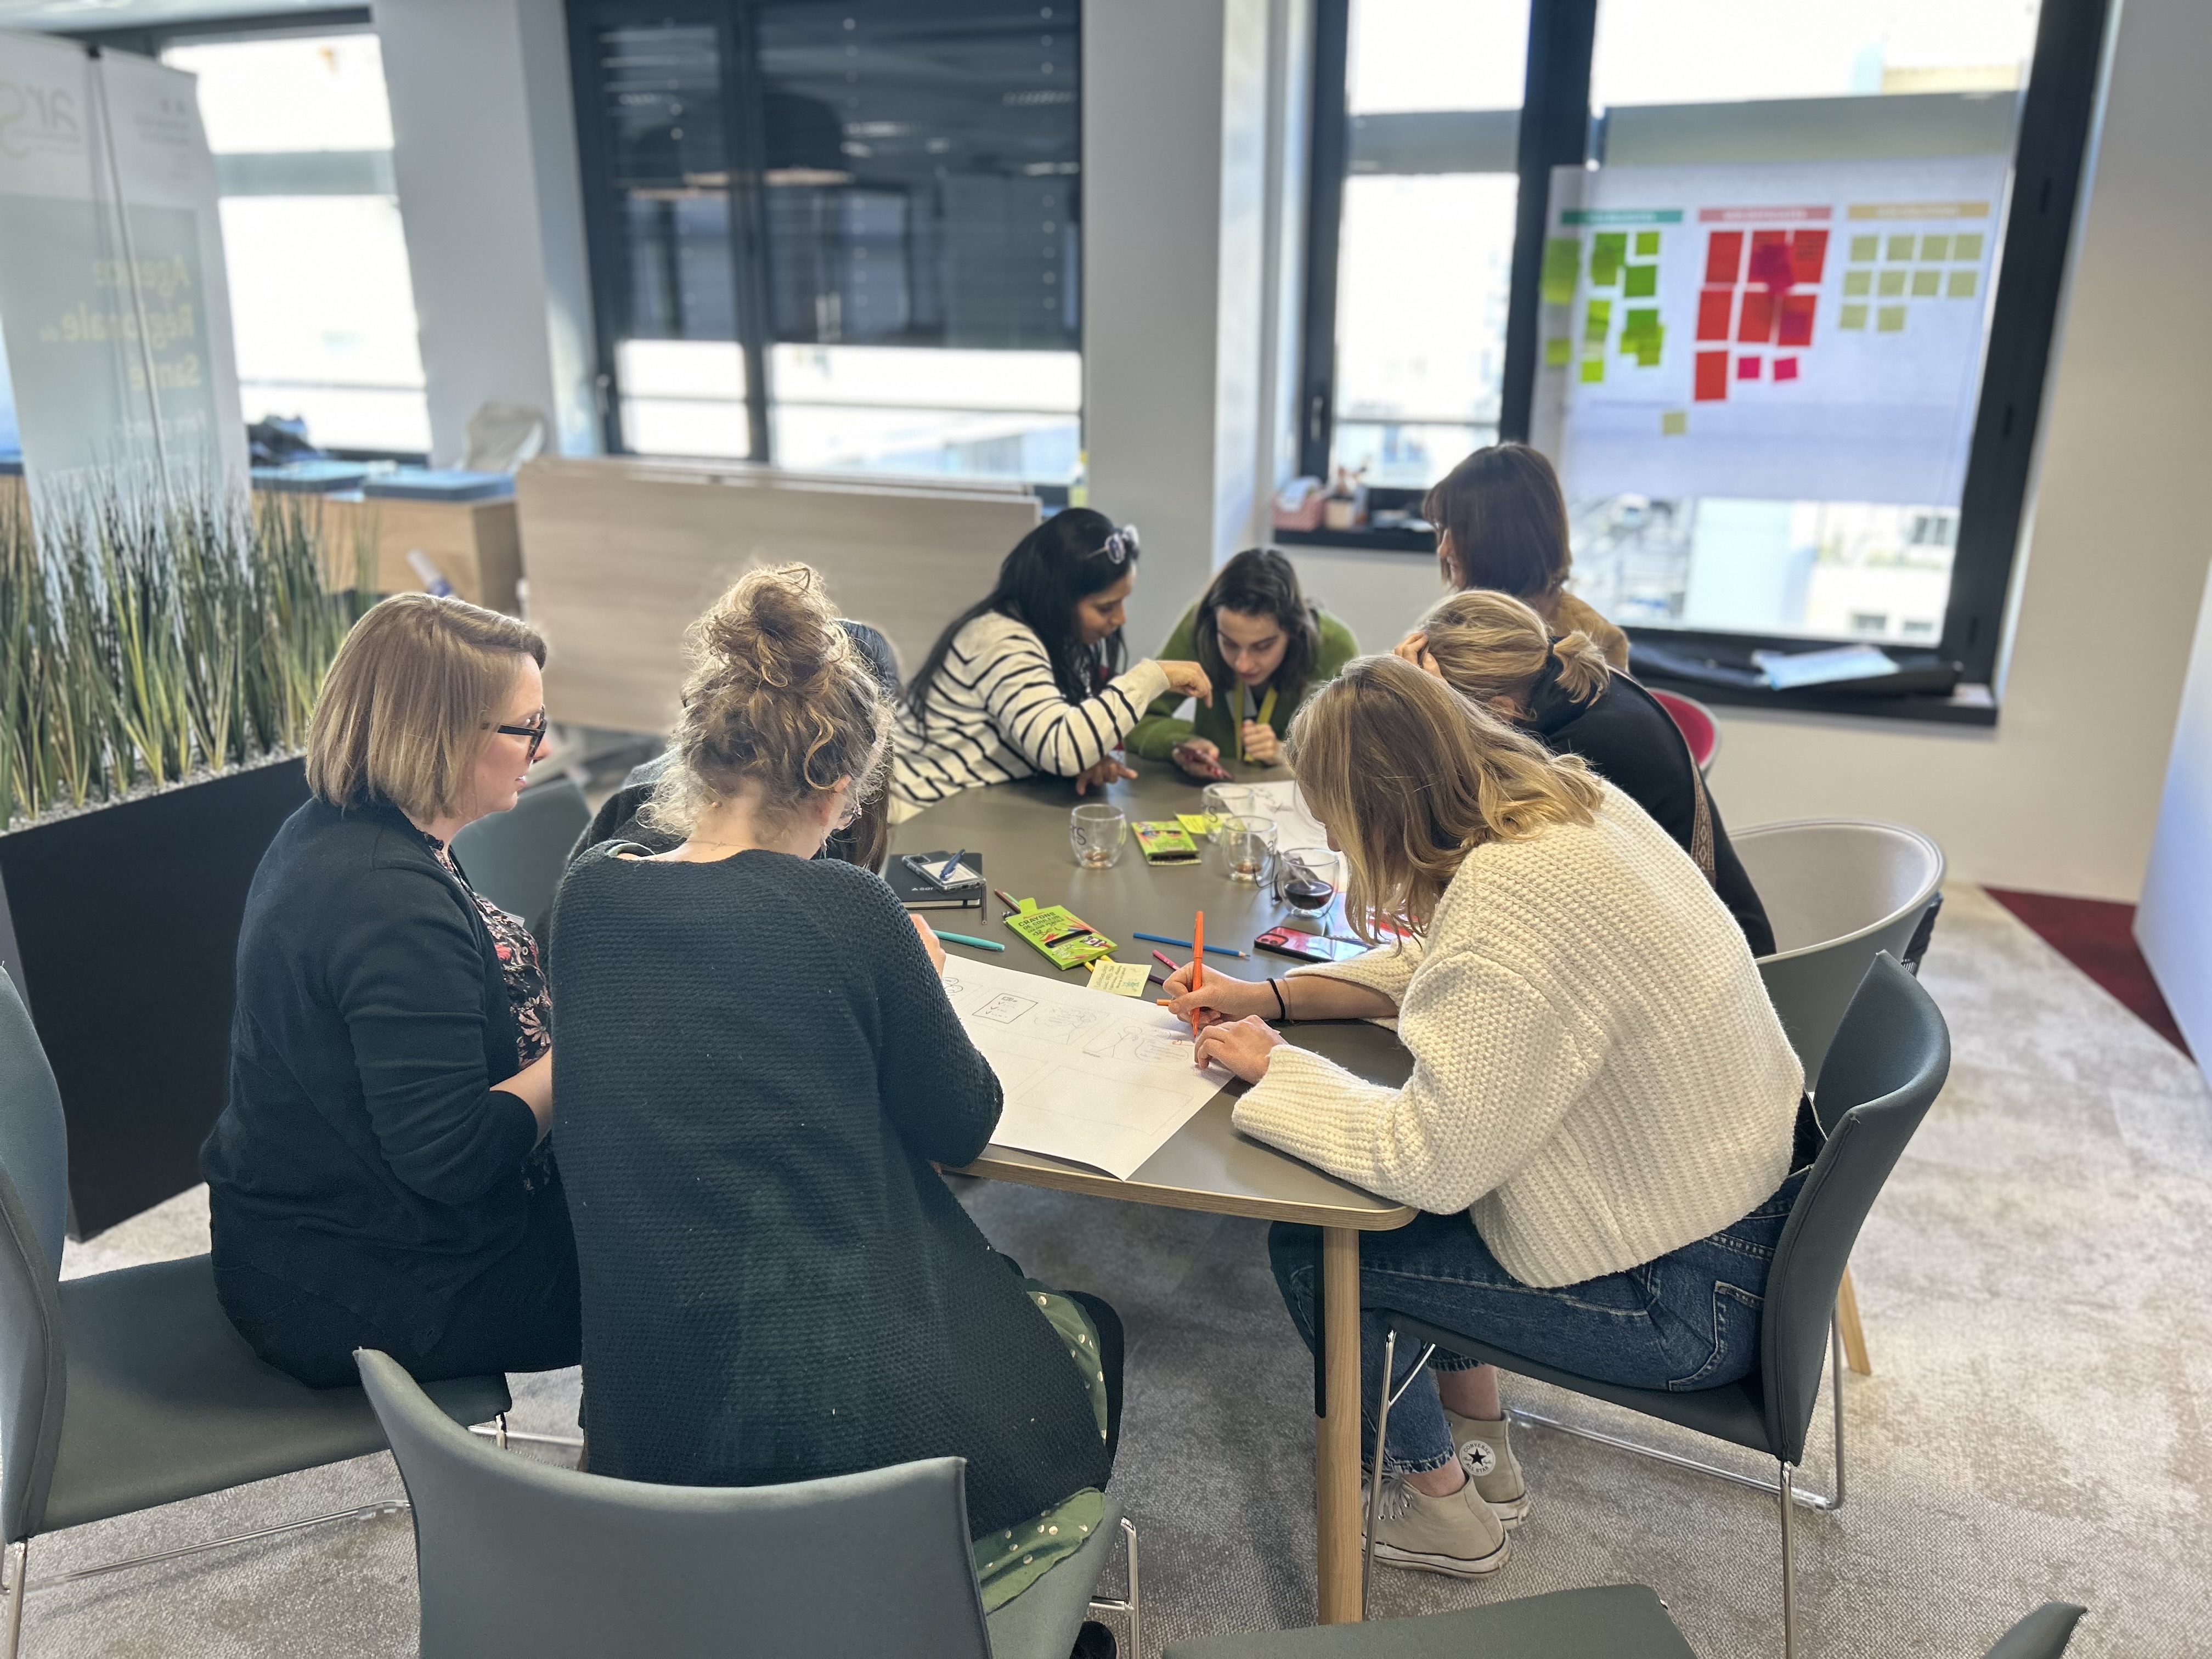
x: 1647, y: 244
x: 1646, y: 347
x: 1595, y: 321
x: 1889, y: 319
x: 1853, y: 317
x: 1858, y: 282
x: 1643, y: 281
x: 1674, y: 423
x: 1593, y: 370
x: 1935, y: 248
x: 1866, y: 247
x: 1892, y: 283
x: 1961, y: 286
x: 1559, y: 352
x: 1900, y: 247
x: 1966, y: 247
x: 1640, y: 336
x: 1926, y: 284
x: 1563, y: 258
x: 1608, y: 250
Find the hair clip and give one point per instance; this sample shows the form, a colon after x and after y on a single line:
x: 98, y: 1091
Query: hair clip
x: 1121, y: 545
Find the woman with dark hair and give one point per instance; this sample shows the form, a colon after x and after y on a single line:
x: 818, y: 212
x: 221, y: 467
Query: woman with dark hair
x: 1263, y: 648
x: 1028, y: 678
x: 1502, y: 524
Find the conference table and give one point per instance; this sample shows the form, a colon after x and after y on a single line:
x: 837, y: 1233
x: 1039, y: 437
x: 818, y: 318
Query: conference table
x: 1021, y: 831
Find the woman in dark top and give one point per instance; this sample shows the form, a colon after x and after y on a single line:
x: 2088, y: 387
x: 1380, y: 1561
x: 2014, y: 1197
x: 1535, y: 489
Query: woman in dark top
x: 1496, y: 650
x: 758, y: 1066
x: 377, y: 1177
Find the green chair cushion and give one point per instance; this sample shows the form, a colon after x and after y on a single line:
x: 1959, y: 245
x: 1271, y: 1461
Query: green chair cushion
x: 1042, y: 1622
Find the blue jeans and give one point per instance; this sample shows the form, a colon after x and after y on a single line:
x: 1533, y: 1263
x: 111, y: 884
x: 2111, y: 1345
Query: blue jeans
x: 1687, y: 1320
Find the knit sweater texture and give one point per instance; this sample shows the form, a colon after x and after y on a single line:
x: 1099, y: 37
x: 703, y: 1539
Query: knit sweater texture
x: 1598, y: 1075
x: 996, y: 714
x: 757, y: 1063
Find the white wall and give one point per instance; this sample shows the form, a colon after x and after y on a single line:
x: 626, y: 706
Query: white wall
x: 484, y: 149
x: 2174, y: 923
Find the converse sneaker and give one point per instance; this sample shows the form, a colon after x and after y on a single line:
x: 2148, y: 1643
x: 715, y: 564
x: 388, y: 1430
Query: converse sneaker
x: 1487, y: 1456
x: 1457, y: 1536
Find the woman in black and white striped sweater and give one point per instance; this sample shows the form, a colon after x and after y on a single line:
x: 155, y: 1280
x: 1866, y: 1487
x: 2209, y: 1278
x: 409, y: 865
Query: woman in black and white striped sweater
x: 1029, y: 679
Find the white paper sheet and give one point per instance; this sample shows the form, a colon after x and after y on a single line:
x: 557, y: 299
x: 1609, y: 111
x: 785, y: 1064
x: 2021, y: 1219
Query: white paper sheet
x: 1295, y: 825
x: 1088, y: 1077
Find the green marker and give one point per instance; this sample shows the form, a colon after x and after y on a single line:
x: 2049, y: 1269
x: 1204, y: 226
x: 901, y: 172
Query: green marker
x: 966, y: 939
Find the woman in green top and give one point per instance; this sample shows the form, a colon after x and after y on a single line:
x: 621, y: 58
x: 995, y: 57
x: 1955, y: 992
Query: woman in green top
x: 1265, y: 649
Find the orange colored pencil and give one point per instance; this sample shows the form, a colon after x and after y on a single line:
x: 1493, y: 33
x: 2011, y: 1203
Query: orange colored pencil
x: 1197, y: 964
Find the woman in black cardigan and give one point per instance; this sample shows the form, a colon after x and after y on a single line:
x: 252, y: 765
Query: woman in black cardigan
x: 377, y: 1177
x: 1495, y: 649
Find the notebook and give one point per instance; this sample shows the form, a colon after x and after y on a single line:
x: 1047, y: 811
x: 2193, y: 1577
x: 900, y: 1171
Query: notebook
x: 916, y: 893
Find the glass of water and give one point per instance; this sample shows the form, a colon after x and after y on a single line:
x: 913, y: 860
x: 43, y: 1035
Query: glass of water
x: 1095, y: 833
x: 1244, y: 849
x: 1224, y: 801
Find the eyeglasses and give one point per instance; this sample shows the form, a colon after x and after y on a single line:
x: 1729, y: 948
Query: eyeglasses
x: 1121, y: 546
x: 535, y: 732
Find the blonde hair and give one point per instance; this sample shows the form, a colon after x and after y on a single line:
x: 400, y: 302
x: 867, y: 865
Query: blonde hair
x: 410, y: 701
x: 778, y: 699
x: 1410, y: 777
x: 1490, y: 645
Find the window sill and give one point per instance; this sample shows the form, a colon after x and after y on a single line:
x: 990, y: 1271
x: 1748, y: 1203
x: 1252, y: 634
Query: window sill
x: 1967, y: 705
x: 1372, y: 541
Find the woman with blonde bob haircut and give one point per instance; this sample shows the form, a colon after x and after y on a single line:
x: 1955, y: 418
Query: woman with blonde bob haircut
x: 1495, y: 650
x: 376, y: 1179
x: 1600, y: 1120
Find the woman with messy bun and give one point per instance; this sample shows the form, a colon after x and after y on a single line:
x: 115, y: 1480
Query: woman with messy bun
x: 1495, y: 650
x: 758, y: 1068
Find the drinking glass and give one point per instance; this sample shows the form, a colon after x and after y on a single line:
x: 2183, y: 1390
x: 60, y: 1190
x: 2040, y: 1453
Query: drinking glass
x: 1307, y: 878
x: 1095, y: 833
x: 1222, y: 801
x: 1244, y: 849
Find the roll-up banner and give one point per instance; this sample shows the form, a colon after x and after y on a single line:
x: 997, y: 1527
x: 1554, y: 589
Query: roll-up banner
x: 113, y: 305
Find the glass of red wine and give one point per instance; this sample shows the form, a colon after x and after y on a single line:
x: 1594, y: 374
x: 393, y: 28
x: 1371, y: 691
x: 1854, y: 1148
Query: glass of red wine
x: 1306, y: 878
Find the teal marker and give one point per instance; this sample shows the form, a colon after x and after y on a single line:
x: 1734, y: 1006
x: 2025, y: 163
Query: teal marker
x: 965, y: 938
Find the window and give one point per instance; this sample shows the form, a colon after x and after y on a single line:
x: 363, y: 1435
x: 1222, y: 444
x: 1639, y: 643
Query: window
x: 1772, y: 282
x: 322, y: 302
x: 837, y: 237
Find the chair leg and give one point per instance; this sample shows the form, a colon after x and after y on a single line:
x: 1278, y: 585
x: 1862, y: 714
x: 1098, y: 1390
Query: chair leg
x: 1375, y: 1468
x: 1789, y: 1566
x: 1836, y: 1404
x: 1132, y: 1606
x: 1847, y: 1320
x: 18, y: 1567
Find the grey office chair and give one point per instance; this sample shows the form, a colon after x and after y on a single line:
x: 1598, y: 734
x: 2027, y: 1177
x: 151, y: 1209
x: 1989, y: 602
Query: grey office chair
x: 1608, y: 1621
x: 1883, y: 1072
x: 129, y: 1389
x: 519, y: 1559
x: 516, y: 858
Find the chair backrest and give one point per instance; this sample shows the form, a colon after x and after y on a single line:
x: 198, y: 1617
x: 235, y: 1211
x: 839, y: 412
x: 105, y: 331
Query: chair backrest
x: 1838, y: 891
x: 2042, y: 1634
x: 1699, y: 727
x: 1884, y: 1070
x: 33, y: 1211
x: 517, y: 1559
x: 515, y: 859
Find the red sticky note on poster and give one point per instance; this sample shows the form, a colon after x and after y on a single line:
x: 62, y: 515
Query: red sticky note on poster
x: 1771, y: 266
x: 1712, y: 376
x: 1747, y: 368
x: 1785, y: 368
x: 1723, y: 256
x: 1808, y: 251
x: 1797, y: 319
x: 1713, y: 305
x: 1755, y: 322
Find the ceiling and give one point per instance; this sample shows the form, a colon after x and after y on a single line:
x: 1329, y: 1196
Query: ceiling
x: 139, y: 13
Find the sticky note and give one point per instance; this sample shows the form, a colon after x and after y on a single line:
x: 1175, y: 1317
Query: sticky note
x: 1772, y: 262
x: 1723, y: 256
x: 1713, y: 305
x: 1563, y: 260
x: 1747, y: 368
x: 1853, y: 317
x: 1119, y: 979
x: 1711, y: 376
x: 1935, y: 247
x: 1559, y: 351
x: 1809, y: 252
x: 1858, y: 282
x: 1646, y: 347
x: 1893, y: 282
x: 1927, y: 283
x: 1966, y: 247
x: 1595, y: 321
x: 1785, y: 368
x: 1674, y: 423
x: 1608, y: 248
x: 1889, y: 319
x: 1198, y: 824
x: 1593, y: 370
x: 1864, y: 249
x: 1755, y: 322
x: 1900, y: 247
x: 1960, y: 285
x: 1642, y: 282
x: 1647, y: 244
x: 1796, y: 328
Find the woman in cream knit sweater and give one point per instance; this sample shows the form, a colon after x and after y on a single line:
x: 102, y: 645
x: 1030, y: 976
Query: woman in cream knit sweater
x: 1599, y: 1117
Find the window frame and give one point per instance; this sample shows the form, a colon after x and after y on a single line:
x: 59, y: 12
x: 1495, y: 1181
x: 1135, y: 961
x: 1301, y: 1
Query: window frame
x: 1558, y: 129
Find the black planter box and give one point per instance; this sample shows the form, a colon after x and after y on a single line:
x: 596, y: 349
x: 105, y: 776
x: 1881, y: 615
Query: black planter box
x: 125, y: 928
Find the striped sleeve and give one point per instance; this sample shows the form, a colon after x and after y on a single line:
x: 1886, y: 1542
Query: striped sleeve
x: 1053, y: 735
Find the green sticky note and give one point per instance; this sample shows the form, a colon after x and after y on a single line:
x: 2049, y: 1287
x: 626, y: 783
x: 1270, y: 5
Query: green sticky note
x: 1926, y: 284
x: 1595, y: 321
x: 1858, y: 282
x: 1563, y: 258
x: 1866, y: 247
x: 1608, y: 249
x: 1968, y: 246
x: 1593, y: 370
x: 1674, y: 423
x: 1961, y: 285
x: 1853, y: 317
x: 1900, y: 247
x: 1889, y: 319
x: 1559, y: 352
x: 1647, y: 244
x: 1892, y: 283
x: 1647, y: 348
x: 1935, y: 247
x: 1643, y: 281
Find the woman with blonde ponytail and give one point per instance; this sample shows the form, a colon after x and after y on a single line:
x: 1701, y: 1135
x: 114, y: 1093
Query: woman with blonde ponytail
x: 1494, y: 649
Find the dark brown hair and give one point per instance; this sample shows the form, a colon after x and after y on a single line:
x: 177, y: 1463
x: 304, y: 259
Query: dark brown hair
x: 1508, y: 522
x: 1260, y: 582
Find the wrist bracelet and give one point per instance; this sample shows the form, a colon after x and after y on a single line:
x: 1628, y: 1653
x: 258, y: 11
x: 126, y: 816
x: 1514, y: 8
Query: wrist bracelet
x: 1282, y: 1008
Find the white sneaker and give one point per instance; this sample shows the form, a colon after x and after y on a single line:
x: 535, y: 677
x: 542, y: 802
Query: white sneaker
x: 1487, y: 1454
x: 1457, y: 1536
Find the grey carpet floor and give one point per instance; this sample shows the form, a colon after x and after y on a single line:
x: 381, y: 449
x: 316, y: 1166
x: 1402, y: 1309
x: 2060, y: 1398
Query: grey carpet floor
x: 2033, y: 1284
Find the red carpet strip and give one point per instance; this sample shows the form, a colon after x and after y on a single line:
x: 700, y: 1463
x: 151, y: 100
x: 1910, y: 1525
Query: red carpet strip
x: 2097, y: 937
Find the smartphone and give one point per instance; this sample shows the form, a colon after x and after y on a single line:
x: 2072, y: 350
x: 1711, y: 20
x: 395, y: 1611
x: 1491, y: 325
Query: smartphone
x: 930, y: 867
x: 1307, y: 947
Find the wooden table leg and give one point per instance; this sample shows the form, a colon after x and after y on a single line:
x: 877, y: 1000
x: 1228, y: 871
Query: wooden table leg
x: 1847, y: 1320
x: 1336, y: 1436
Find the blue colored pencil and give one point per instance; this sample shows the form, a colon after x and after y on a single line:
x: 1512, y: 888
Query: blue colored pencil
x: 967, y: 938
x: 951, y: 863
x: 1211, y: 950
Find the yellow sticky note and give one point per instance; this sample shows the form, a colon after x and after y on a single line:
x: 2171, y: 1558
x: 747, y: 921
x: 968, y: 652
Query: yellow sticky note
x: 1889, y: 319
x: 1198, y: 824
x: 1858, y: 282
x: 1892, y: 283
x: 1865, y: 247
x: 1961, y: 286
x: 1560, y: 350
x: 1593, y: 370
x: 1674, y: 423
x: 1926, y: 284
x: 1935, y: 247
x: 1968, y: 246
x: 1900, y: 247
x: 1853, y: 317
x: 1119, y: 978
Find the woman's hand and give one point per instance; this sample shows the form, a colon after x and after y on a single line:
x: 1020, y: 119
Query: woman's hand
x: 1262, y: 746
x: 929, y: 942
x: 1110, y: 770
x: 1220, y: 997
x: 1414, y: 649
x: 1199, y: 758
x: 1188, y: 679
x: 1243, y: 1047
